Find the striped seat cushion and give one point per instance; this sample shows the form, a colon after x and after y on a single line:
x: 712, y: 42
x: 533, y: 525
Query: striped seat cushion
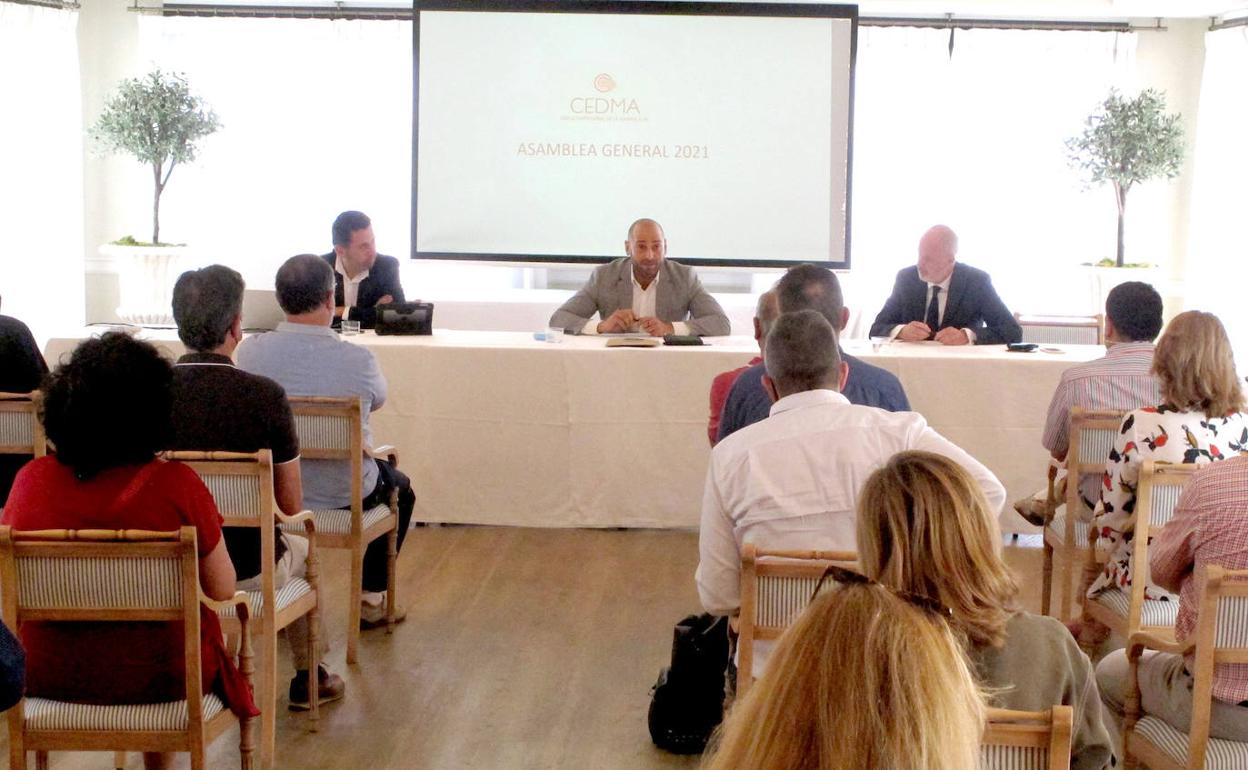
x: 1056, y: 530
x: 286, y: 595
x: 1013, y: 758
x: 337, y: 521
x: 1219, y: 754
x: 43, y: 714
x: 1154, y: 613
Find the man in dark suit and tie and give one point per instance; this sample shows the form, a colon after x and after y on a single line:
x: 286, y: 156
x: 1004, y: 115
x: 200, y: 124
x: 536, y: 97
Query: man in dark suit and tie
x: 942, y: 300
x: 363, y: 278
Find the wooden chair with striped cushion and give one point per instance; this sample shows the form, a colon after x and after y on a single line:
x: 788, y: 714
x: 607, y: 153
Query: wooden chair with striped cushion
x: 1063, y: 329
x: 1092, y: 435
x: 332, y: 429
x: 111, y: 576
x: 1126, y: 612
x: 1220, y: 637
x: 242, y: 487
x: 21, y: 432
x: 775, y: 587
x: 1027, y: 740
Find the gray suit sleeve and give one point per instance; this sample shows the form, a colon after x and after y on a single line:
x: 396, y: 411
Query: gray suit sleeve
x: 580, y: 307
x: 706, y: 317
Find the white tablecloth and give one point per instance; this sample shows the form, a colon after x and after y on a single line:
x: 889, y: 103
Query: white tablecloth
x: 499, y: 428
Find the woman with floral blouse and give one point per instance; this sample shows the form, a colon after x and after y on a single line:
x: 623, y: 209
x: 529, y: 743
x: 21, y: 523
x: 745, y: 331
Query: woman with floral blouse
x: 1200, y: 420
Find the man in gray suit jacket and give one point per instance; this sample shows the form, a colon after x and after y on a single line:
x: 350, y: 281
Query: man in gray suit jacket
x: 643, y: 292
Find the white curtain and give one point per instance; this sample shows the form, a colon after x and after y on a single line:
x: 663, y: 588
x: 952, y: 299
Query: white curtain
x: 41, y: 168
x: 1217, y: 259
x: 317, y: 119
x: 975, y: 140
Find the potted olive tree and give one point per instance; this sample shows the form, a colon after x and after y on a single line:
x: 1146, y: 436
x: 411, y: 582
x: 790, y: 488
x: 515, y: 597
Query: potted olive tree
x: 157, y: 120
x: 1126, y: 141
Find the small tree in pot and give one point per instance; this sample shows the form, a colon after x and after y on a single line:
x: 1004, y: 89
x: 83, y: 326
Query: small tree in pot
x: 1127, y: 141
x: 156, y: 119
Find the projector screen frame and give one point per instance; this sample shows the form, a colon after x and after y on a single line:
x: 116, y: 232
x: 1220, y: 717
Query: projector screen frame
x: 639, y: 7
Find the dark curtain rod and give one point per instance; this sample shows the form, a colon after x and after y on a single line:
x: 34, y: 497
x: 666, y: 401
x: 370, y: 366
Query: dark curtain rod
x: 60, y: 5
x: 383, y: 13
x: 1216, y: 25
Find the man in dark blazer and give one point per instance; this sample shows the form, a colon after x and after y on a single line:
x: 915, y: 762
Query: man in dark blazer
x: 944, y: 301
x: 644, y: 292
x: 363, y: 278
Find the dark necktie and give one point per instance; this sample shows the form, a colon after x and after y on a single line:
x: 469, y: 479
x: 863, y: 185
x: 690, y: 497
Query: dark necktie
x: 933, y: 311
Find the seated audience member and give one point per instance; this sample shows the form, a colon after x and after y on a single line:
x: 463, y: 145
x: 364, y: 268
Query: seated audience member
x: 1121, y: 380
x: 307, y: 358
x: 21, y: 369
x: 764, y: 316
x: 363, y: 279
x: 808, y: 287
x: 942, y: 300
x: 219, y: 407
x: 107, y: 412
x: 1207, y: 528
x: 643, y: 292
x: 863, y: 679
x: 924, y: 528
x: 792, y: 481
x: 1200, y: 420
x: 12, y: 669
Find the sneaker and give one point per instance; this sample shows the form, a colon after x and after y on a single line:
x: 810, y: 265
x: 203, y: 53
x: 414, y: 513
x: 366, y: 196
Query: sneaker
x: 1033, y: 510
x: 374, y: 615
x: 330, y: 687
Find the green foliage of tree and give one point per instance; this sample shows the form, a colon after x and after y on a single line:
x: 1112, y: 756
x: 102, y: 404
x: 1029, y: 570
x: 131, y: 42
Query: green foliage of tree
x: 157, y: 120
x: 1127, y: 141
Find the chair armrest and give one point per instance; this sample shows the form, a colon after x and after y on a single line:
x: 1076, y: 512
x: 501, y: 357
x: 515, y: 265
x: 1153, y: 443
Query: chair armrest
x: 387, y: 451
x: 239, y: 601
x: 1143, y: 640
x: 304, y: 517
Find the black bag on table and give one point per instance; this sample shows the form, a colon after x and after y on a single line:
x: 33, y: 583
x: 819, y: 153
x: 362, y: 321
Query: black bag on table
x: 687, y: 702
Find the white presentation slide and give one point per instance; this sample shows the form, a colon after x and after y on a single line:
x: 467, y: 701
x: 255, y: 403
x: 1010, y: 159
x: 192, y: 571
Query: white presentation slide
x: 546, y: 134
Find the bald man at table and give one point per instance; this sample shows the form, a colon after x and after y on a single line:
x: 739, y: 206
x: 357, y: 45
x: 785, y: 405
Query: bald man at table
x: 942, y: 300
x: 644, y: 292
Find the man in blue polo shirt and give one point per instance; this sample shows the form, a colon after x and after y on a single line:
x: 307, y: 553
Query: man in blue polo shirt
x: 808, y: 287
x: 306, y: 357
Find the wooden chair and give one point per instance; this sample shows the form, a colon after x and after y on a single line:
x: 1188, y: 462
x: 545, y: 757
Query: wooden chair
x: 21, y: 432
x: 1063, y: 329
x: 1127, y: 612
x: 775, y: 587
x: 1027, y: 740
x: 1092, y: 437
x: 242, y: 487
x: 1220, y: 636
x: 116, y: 575
x: 331, y: 429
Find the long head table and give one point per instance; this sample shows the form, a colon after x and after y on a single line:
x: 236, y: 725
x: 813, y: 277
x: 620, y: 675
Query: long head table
x: 501, y: 428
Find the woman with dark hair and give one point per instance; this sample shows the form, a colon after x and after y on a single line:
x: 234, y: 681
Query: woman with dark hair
x: 107, y: 412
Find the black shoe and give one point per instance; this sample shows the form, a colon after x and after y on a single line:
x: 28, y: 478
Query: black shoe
x: 330, y: 687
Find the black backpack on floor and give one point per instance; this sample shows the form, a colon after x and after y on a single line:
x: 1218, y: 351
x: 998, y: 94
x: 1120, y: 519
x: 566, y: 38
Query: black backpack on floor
x: 687, y: 702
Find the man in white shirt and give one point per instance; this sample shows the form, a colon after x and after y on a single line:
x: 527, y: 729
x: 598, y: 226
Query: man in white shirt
x: 644, y: 292
x: 792, y: 481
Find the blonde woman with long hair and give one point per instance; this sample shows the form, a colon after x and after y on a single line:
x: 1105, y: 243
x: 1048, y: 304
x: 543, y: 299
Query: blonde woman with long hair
x: 864, y: 679
x: 925, y: 528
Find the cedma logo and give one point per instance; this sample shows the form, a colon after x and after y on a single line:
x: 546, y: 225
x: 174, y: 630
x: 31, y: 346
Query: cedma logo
x: 604, y: 106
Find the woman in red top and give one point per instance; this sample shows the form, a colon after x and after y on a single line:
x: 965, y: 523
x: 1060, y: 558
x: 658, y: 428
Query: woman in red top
x: 107, y: 411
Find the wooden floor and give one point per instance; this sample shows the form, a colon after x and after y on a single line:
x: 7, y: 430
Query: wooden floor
x: 522, y: 648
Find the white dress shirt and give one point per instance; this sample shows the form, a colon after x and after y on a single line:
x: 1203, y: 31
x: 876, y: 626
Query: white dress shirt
x: 792, y: 482
x: 644, y: 303
x: 940, y: 308
x: 350, y: 286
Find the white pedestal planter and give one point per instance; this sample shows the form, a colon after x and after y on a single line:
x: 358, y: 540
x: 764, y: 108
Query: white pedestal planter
x: 146, y: 275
